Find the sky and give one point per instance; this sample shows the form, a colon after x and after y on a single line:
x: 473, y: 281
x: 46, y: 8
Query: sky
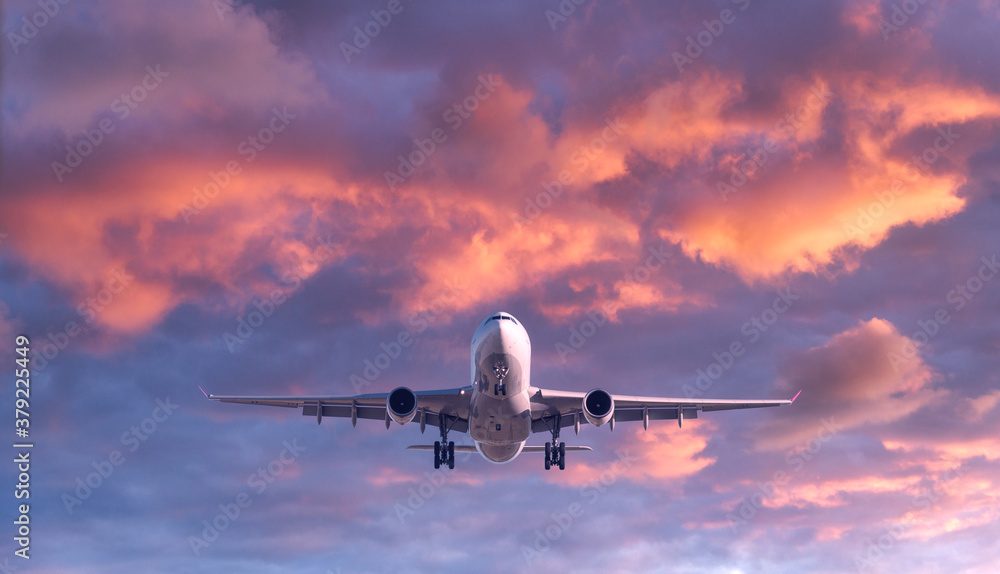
x: 727, y: 199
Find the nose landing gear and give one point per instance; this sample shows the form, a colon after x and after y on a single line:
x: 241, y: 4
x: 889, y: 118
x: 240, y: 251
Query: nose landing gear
x: 500, y: 370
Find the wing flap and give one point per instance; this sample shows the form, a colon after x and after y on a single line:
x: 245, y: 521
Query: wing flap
x: 655, y: 414
x: 340, y: 411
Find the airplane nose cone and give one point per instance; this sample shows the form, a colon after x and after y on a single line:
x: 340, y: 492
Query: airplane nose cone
x: 509, y: 335
x: 503, y: 335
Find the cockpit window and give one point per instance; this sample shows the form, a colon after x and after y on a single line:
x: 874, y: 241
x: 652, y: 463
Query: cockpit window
x: 501, y: 318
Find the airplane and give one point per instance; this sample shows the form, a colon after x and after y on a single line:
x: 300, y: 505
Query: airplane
x: 500, y: 409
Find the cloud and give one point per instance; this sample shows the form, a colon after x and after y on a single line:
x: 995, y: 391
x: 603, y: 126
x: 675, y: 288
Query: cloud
x: 660, y: 456
x: 851, y: 382
x: 594, y: 176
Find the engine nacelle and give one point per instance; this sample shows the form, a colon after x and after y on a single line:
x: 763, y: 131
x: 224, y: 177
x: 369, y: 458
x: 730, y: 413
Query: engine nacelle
x: 598, y: 407
x: 401, y: 404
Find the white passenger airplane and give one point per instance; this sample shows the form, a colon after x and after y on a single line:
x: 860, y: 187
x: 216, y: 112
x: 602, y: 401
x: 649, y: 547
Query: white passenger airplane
x: 500, y: 409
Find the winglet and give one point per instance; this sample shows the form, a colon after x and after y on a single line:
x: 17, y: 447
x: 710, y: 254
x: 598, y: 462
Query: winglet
x: 795, y: 397
x: 203, y: 390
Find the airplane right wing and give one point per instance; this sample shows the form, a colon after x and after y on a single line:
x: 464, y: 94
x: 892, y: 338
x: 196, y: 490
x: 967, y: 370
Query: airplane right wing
x: 566, y: 408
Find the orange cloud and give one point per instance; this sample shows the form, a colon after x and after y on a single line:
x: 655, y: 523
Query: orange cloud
x: 984, y: 403
x: 511, y: 250
x: 470, y: 201
x: 661, y: 455
x: 799, y: 216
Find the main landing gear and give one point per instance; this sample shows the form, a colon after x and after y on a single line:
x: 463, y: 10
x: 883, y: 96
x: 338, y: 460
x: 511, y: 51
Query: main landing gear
x: 444, y: 451
x: 555, y: 451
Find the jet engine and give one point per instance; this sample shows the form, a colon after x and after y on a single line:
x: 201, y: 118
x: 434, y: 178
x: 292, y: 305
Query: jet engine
x: 598, y: 407
x: 401, y: 404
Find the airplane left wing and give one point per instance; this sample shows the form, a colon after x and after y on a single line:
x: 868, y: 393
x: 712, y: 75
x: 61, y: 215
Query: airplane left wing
x: 566, y: 407
x: 431, y: 406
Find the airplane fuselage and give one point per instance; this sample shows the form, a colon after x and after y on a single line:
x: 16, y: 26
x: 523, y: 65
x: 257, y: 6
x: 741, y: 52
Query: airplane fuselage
x: 500, y: 407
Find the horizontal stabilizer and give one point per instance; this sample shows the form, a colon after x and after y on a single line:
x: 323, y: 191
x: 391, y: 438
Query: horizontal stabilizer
x: 458, y: 447
x: 542, y: 448
x: 468, y: 448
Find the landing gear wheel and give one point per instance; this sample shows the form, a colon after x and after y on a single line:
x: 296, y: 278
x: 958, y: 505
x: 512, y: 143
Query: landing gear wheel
x: 555, y: 451
x: 444, y: 450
